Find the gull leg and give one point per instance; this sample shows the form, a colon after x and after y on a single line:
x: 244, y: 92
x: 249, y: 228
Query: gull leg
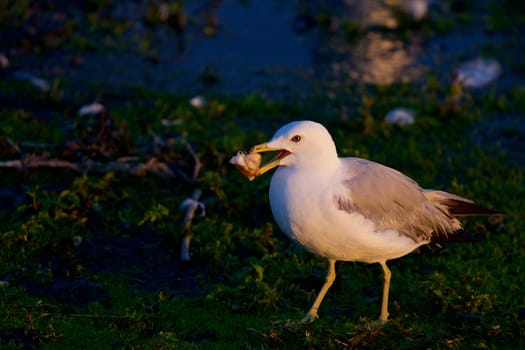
x: 311, y: 315
x: 386, y: 287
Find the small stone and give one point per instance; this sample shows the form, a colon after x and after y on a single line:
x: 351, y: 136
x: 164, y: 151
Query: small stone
x: 521, y: 313
x: 4, y: 284
x: 171, y: 122
x: 416, y: 9
x: 77, y: 240
x: 4, y: 61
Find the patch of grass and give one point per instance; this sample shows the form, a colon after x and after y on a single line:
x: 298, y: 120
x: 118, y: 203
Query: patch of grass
x: 246, y: 281
x: 13, y: 13
x: 505, y: 17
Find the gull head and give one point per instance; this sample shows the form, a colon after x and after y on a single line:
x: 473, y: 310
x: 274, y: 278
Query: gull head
x: 301, y: 144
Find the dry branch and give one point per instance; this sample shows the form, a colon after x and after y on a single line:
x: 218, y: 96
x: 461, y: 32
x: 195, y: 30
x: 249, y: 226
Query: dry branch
x: 198, y: 164
x: 129, y: 165
x: 151, y: 166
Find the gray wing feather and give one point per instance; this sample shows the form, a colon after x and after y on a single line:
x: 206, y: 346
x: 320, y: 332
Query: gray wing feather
x: 393, y: 201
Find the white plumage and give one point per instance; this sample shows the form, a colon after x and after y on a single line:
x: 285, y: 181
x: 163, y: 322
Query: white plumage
x: 352, y: 209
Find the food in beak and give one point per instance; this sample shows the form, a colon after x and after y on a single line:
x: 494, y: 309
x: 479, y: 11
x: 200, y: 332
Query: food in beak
x: 247, y: 163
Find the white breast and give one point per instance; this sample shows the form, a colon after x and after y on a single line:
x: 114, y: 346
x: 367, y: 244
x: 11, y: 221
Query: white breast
x: 304, y: 209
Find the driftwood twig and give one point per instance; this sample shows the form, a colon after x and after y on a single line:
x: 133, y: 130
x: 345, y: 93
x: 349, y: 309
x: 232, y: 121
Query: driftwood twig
x: 191, y: 205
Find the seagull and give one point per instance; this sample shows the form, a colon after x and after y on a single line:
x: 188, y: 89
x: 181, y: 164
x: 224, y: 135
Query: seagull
x: 353, y: 209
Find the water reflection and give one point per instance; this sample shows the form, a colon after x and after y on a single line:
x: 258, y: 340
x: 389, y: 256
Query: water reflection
x: 379, y: 57
x: 372, y: 13
x: 382, y: 60
x: 382, y: 13
x: 255, y: 44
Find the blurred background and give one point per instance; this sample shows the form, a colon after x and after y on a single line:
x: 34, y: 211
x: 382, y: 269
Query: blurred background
x: 117, y: 121
x: 273, y: 48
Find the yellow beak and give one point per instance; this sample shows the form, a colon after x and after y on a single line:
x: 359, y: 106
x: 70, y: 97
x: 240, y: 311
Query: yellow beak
x: 274, y: 162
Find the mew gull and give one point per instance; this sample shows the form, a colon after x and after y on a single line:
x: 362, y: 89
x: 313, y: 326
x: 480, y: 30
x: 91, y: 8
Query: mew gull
x: 350, y: 209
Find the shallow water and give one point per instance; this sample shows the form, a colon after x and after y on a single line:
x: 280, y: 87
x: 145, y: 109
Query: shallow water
x: 280, y: 48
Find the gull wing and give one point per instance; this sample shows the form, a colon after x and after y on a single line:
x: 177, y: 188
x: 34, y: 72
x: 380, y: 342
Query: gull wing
x: 394, y: 201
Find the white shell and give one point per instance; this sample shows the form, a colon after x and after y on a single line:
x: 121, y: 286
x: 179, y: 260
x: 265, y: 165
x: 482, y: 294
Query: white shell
x: 198, y: 101
x: 91, y: 109
x: 400, y: 116
x: 478, y: 72
x: 39, y: 83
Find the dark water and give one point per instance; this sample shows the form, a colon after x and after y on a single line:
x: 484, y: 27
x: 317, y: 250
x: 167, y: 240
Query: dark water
x: 283, y: 47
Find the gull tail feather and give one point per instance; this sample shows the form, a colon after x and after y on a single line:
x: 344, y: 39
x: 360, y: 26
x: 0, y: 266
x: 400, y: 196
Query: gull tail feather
x: 458, y: 236
x: 458, y: 206
x: 455, y: 206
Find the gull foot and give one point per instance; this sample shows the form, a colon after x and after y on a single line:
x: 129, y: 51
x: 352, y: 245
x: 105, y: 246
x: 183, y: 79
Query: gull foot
x: 377, y: 324
x: 310, y: 317
x: 383, y: 319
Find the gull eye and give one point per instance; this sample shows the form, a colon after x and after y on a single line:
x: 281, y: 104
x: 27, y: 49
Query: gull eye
x: 296, y: 138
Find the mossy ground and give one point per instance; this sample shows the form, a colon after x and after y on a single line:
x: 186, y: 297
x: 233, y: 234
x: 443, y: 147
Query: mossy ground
x: 245, y: 280
x: 124, y: 286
